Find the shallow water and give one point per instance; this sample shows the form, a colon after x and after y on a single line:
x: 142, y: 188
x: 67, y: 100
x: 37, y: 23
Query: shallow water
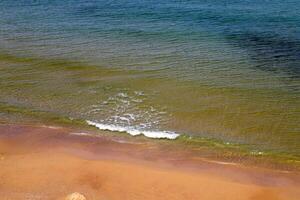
x: 224, y: 70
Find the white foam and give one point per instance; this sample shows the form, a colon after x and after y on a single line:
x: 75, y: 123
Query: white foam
x: 122, y: 94
x: 80, y: 134
x: 51, y: 127
x: 139, y: 93
x: 135, y: 132
x: 131, y: 116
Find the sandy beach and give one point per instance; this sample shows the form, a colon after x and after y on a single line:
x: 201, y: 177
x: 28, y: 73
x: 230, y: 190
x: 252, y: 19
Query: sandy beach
x: 149, y: 100
x: 38, y: 162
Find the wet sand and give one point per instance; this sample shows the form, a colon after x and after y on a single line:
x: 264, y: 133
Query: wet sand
x: 50, y: 162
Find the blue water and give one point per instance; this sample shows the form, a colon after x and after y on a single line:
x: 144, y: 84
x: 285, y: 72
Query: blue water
x: 157, y: 34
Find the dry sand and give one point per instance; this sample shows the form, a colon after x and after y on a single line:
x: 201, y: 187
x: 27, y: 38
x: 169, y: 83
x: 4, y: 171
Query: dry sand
x: 50, y: 163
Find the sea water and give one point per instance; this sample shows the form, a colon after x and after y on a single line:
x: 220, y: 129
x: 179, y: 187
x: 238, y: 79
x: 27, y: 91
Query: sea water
x: 227, y: 70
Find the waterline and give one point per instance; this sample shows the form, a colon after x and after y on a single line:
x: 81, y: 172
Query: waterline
x: 135, y: 132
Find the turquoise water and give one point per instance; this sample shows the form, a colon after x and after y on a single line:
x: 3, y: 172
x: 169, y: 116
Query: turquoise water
x: 224, y: 70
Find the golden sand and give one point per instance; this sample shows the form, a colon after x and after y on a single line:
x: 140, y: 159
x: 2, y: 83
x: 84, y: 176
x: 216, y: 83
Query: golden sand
x: 48, y: 163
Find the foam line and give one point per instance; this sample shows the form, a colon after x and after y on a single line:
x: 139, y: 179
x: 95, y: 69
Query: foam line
x: 134, y: 132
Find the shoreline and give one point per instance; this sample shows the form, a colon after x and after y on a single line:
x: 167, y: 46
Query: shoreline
x: 240, y: 139
x: 43, y: 162
x: 210, y: 149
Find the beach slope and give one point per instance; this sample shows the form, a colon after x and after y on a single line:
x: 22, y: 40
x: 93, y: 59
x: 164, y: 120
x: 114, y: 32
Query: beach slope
x: 50, y: 163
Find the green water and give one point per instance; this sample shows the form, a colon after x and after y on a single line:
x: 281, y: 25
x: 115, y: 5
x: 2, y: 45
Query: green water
x: 246, y: 121
x: 222, y: 75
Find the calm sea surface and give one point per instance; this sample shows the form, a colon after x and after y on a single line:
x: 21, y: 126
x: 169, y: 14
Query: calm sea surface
x: 227, y: 70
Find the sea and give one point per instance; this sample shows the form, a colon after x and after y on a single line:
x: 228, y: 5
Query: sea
x: 226, y: 72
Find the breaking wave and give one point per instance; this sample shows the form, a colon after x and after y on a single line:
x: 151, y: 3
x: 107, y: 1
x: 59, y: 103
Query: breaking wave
x: 134, y: 132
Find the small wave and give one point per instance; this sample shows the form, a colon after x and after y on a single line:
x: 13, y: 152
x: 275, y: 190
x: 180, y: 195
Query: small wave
x: 135, y: 132
x: 80, y: 134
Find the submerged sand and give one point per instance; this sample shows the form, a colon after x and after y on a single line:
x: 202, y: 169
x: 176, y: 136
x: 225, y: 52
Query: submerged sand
x: 52, y: 162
